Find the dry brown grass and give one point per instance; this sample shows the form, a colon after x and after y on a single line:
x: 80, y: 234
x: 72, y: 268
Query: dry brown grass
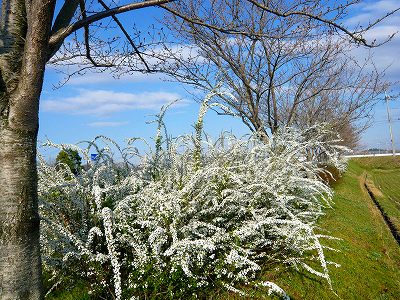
x: 378, y: 162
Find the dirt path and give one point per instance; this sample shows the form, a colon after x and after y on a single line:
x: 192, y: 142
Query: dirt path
x: 372, y: 192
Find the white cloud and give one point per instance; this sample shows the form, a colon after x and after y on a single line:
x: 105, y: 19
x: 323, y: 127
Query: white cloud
x: 103, y: 102
x: 371, y: 10
x: 382, y: 5
x: 105, y: 77
x: 383, y: 31
x: 107, y: 124
x: 385, y: 57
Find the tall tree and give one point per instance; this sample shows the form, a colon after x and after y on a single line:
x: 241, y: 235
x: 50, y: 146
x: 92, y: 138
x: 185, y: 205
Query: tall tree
x: 31, y: 33
x: 284, y: 69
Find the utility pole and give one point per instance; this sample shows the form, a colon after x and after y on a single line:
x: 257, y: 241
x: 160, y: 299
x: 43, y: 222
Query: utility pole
x: 390, y: 124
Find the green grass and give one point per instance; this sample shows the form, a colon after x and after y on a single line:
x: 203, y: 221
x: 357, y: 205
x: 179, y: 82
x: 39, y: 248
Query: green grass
x: 389, y: 184
x: 369, y: 256
x: 385, y: 174
x: 78, y: 292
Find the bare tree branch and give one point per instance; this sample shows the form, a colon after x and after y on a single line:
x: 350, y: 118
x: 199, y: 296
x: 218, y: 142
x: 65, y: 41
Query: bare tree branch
x: 57, y: 37
x: 65, y: 15
x: 300, y: 76
x: 87, y: 37
x: 128, y: 37
x: 199, y: 22
x: 356, y: 36
x: 62, y: 20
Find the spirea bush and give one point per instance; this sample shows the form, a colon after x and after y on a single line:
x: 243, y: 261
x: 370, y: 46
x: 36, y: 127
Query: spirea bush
x: 188, y: 216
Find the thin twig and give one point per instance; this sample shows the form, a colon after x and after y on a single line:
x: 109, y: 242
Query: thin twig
x: 128, y: 37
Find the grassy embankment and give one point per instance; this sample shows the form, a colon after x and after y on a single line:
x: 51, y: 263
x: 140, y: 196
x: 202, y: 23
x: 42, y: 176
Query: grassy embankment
x: 369, y: 255
x: 384, y: 175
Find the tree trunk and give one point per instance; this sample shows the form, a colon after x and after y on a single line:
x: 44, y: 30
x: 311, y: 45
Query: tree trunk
x: 24, y: 34
x: 20, y: 263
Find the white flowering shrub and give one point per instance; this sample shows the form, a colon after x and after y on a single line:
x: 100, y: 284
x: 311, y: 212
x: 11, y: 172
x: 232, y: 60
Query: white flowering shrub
x: 192, y: 215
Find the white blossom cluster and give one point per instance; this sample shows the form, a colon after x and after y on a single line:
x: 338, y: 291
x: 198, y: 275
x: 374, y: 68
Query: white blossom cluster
x: 193, y: 214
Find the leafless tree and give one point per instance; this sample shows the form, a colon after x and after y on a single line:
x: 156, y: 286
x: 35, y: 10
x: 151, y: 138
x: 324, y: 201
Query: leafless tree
x: 342, y: 95
x: 31, y: 33
x: 282, y: 68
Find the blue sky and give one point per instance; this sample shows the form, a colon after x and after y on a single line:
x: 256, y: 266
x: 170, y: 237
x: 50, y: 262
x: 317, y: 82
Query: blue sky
x: 386, y: 58
x: 92, y: 104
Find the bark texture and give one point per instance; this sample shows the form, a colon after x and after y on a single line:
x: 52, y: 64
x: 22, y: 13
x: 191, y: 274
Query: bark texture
x: 24, y: 34
x: 20, y: 265
x: 25, y: 47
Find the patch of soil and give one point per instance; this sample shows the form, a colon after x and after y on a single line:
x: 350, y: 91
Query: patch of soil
x: 374, y: 192
x: 330, y: 175
x: 369, y: 184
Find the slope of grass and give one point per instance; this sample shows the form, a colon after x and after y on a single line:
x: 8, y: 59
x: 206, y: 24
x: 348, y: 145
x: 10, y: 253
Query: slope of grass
x: 389, y: 184
x: 384, y: 172
x: 378, y: 162
x: 369, y: 256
